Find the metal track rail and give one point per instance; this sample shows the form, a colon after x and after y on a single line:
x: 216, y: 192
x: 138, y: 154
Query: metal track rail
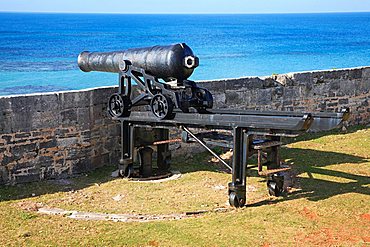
x: 265, y: 123
x: 274, y: 122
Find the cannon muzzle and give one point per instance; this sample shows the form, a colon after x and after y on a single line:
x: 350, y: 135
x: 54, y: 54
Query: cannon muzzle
x: 167, y: 62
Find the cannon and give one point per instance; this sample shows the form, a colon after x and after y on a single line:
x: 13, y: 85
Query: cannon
x: 161, y: 72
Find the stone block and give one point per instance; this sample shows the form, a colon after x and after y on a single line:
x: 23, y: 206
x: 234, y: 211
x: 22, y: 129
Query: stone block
x: 335, y: 85
x: 366, y: 73
x: 22, y: 166
x: 23, y: 135
x: 7, y: 138
x: 285, y: 80
x: 46, y: 103
x: 46, y: 119
x: 19, y: 150
x: 332, y: 94
x: 348, y: 88
x: 81, y: 166
x: 83, y: 117
x: 302, y: 78
x: 101, y: 95
x: 4, y: 175
x: 69, y: 116
x: 98, y: 112
x: 218, y: 86
x: 6, y: 116
x: 21, y: 121
x: 264, y: 97
x: 244, y: 83
x: 330, y: 75
x: 232, y: 97
x: 26, y: 178
x: 114, y: 130
x: 7, y: 160
x: 355, y: 73
x: 67, y: 142
x: 61, y: 132
x: 278, y: 92
x: 74, y: 99
x: 219, y: 98
x: 48, y: 144
x: 291, y: 93
x: 45, y: 161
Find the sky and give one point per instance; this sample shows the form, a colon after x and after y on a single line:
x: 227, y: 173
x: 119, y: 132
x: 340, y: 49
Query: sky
x: 185, y: 6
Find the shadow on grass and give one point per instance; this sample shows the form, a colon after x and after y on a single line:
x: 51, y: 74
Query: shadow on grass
x: 29, y: 190
x: 313, y: 163
x: 315, y: 189
x: 319, y: 183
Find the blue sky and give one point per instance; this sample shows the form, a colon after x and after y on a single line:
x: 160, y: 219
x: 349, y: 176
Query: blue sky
x: 185, y: 6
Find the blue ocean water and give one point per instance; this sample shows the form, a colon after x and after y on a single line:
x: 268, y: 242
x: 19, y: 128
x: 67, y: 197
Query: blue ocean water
x: 38, y: 51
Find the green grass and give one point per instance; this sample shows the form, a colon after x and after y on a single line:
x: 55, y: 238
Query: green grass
x: 329, y: 206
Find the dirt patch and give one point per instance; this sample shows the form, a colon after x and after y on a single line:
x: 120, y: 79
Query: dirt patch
x: 334, y: 236
x: 153, y: 243
x: 266, y: 245
x: 366, y: 239
x: 365, y: 217
x: 29, y: 206
x: 309, y: 214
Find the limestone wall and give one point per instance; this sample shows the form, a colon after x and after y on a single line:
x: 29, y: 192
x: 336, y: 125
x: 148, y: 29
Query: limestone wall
x: 54, y: 135
x: 59, y: 134
x: 304, y: 91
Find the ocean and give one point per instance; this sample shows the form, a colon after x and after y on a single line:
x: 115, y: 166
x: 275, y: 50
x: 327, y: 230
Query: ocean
x: 38, y: 52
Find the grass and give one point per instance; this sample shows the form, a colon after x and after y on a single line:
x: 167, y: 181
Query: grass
x: 329, y: 206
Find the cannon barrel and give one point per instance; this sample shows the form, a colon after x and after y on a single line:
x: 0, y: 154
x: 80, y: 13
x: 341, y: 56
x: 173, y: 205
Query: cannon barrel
x: 167, y: 62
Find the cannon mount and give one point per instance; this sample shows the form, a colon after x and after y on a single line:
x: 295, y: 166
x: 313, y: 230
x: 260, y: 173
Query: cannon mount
x: 162, y: 97
x: 141, y: 131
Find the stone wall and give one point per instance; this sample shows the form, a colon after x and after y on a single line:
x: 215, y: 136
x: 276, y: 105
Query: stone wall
x: 55, y: 135
x: 311, y: 91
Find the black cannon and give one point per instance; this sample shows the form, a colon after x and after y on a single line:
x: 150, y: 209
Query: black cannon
x: 161, y: 72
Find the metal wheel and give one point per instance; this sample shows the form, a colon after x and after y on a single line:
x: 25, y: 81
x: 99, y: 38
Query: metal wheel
x: 235, y: 201
x: 127, y: 171
x: 162, y: 106
x: 119, y: 106
x: 275, y: 185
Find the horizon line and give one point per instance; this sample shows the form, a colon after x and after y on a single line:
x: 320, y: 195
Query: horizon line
x: 183, y: 13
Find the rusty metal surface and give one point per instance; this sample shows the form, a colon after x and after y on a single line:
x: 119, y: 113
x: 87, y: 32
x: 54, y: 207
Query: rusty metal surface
x: 167, y: 141
x: 273, y: 171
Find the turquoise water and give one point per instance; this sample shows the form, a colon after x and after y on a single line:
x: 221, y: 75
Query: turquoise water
x: 38, y: 51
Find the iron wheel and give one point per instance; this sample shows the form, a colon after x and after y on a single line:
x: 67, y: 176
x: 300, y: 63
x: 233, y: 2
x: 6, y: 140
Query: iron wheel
x: 162, y: 106
x: 118, y: 105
